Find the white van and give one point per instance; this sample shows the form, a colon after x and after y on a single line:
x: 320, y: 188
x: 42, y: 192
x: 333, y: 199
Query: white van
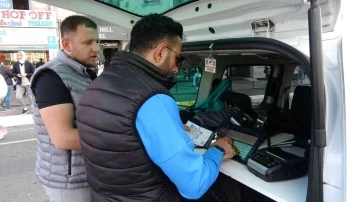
x: 248, y: 36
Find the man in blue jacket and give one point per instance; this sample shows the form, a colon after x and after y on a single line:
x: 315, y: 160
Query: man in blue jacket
x: 134, y: 144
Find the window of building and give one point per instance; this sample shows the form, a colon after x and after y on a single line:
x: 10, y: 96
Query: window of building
x: 20, y: 4
x: 249, y: 80
x: 187, y: 87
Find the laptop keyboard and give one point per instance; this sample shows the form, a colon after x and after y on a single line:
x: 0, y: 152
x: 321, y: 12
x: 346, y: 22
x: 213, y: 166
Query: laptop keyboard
x: 241, y: 148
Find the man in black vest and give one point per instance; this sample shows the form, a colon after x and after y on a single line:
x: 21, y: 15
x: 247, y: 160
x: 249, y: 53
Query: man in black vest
x: 133, y: 141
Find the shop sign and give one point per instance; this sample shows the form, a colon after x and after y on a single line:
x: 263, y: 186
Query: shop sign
x: 109, y: 44
x: 27, y: 18
x: 28, y: 39
x: 112, y: 33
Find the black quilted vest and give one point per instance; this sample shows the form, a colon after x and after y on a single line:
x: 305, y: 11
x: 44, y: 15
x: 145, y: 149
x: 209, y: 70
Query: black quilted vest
x: 118, y: 167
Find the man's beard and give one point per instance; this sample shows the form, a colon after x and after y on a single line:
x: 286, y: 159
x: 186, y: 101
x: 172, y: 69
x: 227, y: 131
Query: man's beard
x: 85, y: 64
x: 165, y: 67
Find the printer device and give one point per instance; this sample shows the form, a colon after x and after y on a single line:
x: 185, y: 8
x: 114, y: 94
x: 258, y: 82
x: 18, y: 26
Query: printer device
x: 274, y: 164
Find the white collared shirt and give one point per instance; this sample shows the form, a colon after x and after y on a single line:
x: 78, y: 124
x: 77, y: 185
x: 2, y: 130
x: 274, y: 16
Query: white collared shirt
x: 22, y: 68
x: 24, y: 81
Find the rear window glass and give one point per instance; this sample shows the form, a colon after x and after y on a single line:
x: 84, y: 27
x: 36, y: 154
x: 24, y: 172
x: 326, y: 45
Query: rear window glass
x: 300, y: 78
x: 145, y: 7
x: 249, y: 80
x: 186, y: 90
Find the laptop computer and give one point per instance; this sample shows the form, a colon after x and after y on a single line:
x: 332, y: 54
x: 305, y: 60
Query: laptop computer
x: 245, y: 141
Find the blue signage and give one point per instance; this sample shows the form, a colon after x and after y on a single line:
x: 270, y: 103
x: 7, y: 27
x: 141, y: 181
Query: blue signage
x: 52, y: 42
x: 6, y: 4
x: 2, y: 33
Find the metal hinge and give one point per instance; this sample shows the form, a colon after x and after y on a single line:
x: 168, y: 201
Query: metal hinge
x: 264, y: 25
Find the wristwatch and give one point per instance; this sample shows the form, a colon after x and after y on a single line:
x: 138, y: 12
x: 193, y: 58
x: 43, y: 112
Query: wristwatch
x: 220, y: 148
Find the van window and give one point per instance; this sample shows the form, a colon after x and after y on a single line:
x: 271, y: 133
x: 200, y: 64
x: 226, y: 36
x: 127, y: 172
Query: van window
x: 249, y: 80
x: 299, y: 79
x: 145, y: 7
x: 186, y: 90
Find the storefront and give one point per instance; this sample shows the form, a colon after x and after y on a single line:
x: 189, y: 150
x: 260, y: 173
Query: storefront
x: 112, y: 39
x: 34, y: 32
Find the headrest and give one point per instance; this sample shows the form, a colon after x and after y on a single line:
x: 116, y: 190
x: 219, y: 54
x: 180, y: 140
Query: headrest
x: 239, y: 100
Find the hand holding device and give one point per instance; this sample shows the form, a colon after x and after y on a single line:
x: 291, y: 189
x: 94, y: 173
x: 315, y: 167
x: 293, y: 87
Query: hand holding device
x: 226, y: 145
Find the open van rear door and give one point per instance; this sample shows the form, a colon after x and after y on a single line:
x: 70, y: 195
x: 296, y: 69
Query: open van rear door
x: 226, y: 19
x: 211, y: 19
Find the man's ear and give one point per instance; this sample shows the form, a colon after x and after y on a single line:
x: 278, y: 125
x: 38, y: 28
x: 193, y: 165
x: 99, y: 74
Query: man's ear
x: 65, y: 42
x: 160, y: 53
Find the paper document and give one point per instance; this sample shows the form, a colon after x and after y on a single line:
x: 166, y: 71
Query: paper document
x: 199, y: 135
x: 282, y: 139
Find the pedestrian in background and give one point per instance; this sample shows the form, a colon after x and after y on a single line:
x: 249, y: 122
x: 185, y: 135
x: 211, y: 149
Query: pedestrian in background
x: 7, y: 75
x: 40, y: 63
x: 100, y: 68
x: 3, y: 92
x: 23, y: 70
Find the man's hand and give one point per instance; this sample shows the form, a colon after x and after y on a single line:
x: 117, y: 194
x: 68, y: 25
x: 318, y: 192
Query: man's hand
x: 226, y: 144
x: 187, y: 128
x: 1, y: 98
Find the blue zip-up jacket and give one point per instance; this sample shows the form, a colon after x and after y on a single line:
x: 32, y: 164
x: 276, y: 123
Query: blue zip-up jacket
x: 168, y: 145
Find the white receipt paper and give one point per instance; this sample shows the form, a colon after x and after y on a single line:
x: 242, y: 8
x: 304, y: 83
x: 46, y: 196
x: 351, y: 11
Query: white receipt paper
x: 199, y: 135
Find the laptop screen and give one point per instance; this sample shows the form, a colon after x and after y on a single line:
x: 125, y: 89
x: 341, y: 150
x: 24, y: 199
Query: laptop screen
x: 243, y: 139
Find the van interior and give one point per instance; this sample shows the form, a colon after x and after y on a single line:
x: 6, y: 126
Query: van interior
x: 265, y: 80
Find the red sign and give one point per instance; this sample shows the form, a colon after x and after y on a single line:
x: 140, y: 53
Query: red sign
x: 27, y: 18
x: 19, y: 14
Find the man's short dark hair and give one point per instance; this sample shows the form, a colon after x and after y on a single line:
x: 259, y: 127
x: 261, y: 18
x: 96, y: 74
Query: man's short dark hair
x: 71, y: 23
x: 7, y: 62
x: 151, y: 29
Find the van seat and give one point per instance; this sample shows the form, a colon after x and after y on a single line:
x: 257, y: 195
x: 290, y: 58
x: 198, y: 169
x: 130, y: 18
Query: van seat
x: 234, y: 99
x: 301, y: 111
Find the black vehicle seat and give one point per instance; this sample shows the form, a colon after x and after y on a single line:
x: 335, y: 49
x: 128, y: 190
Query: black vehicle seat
x: 242, y: 102
x: 239, y: 100
x: 301, y: 111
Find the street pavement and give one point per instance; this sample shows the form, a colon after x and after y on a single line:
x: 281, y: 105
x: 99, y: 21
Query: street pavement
x: 16, y: 108
x: 18, y: 182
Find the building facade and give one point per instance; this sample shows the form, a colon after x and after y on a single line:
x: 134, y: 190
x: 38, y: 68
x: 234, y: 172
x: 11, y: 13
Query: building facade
x: 33, y: 27
x: 112, y: 39
x: 31, y: 31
